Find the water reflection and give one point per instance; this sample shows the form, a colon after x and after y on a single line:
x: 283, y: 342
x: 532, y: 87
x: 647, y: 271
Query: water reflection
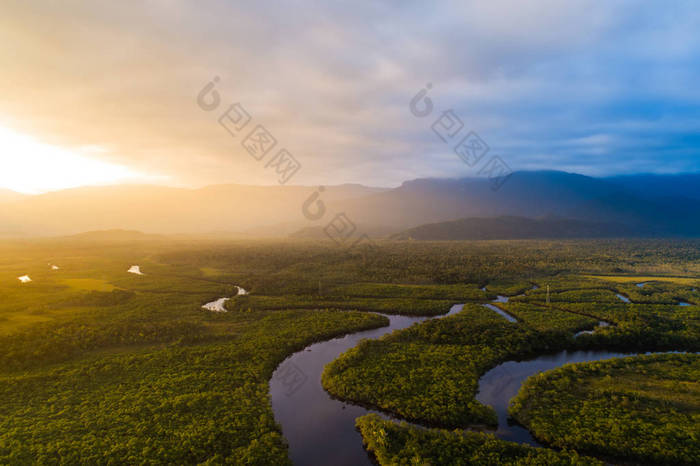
x: 501, y: 312
x: 318, y: 428
x: 499, y: 385
x: 135, y: 269
x: 601, y: 324
x: 216, y: 306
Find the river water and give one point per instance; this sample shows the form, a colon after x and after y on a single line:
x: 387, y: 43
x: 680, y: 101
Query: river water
x: 499, y: 385
x: 321, y: 430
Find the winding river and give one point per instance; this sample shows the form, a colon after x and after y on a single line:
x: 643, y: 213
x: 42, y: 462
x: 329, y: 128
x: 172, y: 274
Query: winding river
x: 318, y: 428
x: 499, y: 385
x: 321, y: 430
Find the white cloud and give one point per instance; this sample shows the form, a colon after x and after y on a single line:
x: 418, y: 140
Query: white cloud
x: 332, y: 81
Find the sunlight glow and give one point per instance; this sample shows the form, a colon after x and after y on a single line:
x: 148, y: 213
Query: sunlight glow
x: 30, y: 166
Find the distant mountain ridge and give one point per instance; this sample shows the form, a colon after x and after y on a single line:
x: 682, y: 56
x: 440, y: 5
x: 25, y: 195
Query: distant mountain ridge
x: 268, y: 210
x: 648, y: 186
x: 671, y: 208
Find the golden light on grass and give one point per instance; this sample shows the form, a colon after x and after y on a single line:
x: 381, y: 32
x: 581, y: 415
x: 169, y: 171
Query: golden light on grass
x: 646, y: 278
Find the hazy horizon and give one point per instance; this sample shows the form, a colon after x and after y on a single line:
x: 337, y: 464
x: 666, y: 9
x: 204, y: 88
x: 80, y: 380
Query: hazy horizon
x: 340, y: 184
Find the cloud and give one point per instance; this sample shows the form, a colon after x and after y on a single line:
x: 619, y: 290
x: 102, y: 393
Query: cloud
x: 605, y: 87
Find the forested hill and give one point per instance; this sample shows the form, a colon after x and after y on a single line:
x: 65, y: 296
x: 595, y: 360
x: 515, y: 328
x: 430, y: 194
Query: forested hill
x: 508, y: 227
x: 535, y: 195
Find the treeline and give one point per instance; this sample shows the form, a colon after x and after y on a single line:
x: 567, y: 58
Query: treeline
x: 404, y: 306
x: 393, y: 444
x: 295, y: 267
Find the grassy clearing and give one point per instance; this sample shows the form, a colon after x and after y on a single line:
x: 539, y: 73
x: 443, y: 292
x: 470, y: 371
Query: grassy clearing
x: 210, y: 271
x: 88, y: 284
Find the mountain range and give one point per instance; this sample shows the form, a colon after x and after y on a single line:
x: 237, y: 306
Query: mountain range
x: 634, y: 205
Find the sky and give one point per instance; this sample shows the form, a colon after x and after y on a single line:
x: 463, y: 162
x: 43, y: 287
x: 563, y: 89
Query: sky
x: 107, y: 92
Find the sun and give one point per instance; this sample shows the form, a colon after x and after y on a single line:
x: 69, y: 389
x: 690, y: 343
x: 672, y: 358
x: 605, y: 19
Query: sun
x: 31, y: 166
